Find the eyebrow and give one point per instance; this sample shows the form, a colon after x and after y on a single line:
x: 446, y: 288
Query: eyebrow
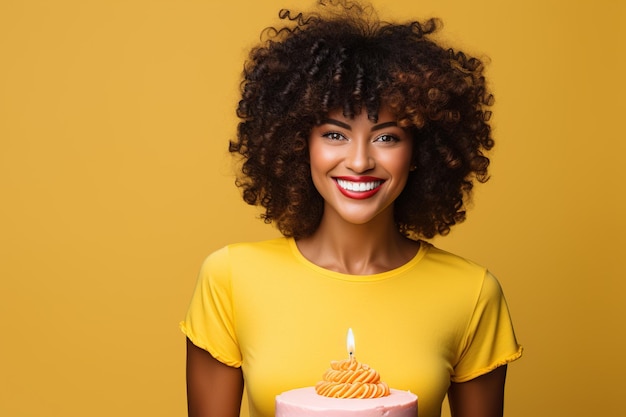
x: 348, y: 127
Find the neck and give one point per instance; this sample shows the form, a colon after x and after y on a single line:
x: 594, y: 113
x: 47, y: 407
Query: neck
x: 358, y: 249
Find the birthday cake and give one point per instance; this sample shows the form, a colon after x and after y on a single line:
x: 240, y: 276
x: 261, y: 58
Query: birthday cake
x: 348, y: 389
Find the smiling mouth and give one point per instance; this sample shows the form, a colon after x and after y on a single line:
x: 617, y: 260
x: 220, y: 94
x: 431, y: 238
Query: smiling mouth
x: 358, y: 186
x: 360, y: 189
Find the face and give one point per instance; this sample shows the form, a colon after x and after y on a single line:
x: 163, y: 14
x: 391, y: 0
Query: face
x: 359, y: 167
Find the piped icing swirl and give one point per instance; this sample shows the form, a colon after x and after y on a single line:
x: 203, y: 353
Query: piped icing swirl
x: 349, y: 378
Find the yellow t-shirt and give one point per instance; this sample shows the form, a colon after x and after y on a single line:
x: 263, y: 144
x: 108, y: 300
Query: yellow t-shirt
x: 266, y: 308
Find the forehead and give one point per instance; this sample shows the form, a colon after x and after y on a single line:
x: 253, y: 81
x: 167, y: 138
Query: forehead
x: 382, y: 115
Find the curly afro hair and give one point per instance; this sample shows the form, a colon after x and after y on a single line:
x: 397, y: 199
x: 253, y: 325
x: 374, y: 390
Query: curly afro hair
x: 343, y: 57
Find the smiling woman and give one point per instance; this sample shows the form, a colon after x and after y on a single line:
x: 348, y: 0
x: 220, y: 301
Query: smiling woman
x: 367, y: 143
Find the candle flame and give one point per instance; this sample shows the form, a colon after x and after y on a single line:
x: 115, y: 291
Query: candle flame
x: 350, y: 342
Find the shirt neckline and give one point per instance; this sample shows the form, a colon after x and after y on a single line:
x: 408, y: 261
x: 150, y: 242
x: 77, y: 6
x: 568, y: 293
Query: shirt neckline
x: 424, y: 247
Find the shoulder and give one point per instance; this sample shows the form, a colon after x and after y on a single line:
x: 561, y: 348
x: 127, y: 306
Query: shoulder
x: 240, y: 260
x: 456, y: 271
x: 248, y: 252
x: 252, y: 251
x: 451, y: 264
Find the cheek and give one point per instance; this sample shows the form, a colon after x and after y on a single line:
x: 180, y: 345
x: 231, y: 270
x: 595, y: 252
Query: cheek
x: 322, y: 158
x: 317, y: 164
x: 397, y: 163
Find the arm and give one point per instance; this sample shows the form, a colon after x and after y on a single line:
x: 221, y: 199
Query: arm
x: 479, y: 397
x: 213, y: 388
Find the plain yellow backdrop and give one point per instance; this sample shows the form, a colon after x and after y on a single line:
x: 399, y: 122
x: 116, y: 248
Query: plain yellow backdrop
x: 115, y: 183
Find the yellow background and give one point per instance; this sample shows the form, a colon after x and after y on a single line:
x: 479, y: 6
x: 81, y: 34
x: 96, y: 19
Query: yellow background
x: 115, y: 183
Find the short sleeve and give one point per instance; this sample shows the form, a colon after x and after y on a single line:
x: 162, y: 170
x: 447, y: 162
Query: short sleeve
x: 209, y: 322
x: 489, y: 341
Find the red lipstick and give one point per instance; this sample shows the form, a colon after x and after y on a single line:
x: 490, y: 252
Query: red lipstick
x: 349, y: 186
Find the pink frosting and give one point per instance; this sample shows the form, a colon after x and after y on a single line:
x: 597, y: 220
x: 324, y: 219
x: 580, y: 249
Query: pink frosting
x: 305, y: 402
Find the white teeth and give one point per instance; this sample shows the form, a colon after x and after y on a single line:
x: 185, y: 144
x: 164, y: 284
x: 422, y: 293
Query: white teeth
x: 358, y: 186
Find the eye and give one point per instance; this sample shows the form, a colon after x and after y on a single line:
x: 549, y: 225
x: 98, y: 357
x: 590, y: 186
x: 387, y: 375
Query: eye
x: 334, y: 136
x: 386, y: 138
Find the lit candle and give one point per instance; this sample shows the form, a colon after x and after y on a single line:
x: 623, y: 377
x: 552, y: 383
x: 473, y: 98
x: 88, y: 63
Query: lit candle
x: 350, y: 343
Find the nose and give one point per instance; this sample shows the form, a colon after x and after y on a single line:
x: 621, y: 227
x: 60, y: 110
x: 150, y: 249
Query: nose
x: 359, y: 158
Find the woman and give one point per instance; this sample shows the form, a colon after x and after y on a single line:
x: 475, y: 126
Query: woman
x: 358, y: 138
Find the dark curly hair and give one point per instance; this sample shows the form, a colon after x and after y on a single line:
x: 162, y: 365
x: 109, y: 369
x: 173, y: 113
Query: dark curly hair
x: 343, y: 57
